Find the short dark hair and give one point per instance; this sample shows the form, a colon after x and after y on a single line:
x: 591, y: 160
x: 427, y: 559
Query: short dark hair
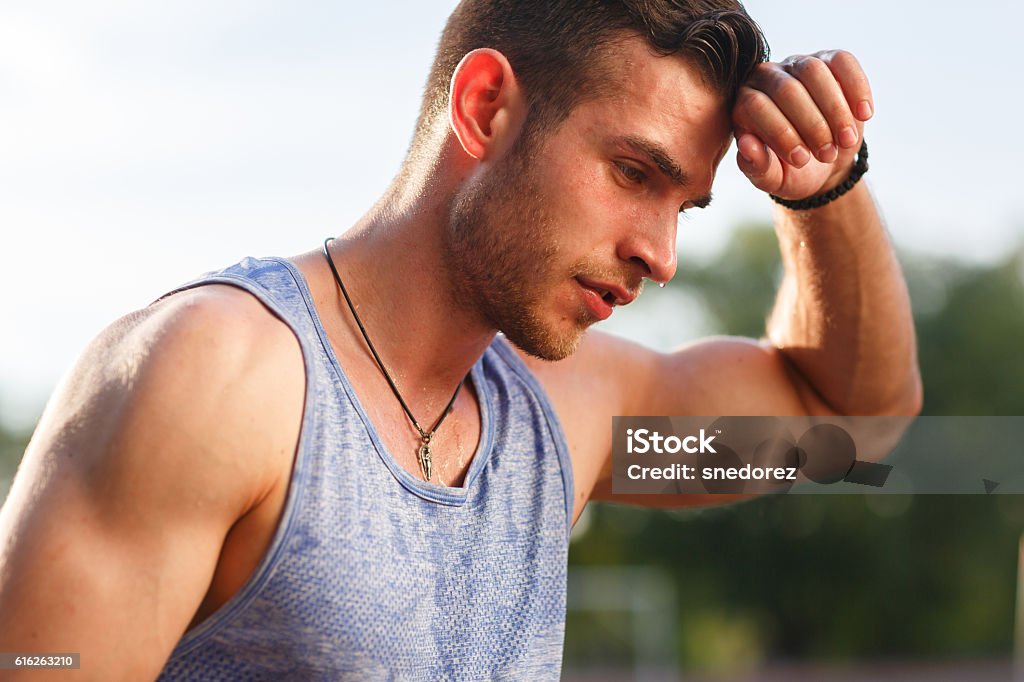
x: 558, y: 48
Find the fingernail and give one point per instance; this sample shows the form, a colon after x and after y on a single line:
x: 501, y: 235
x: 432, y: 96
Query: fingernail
x: 828, y: 153
x: 746, y: 158
x: 848, y: 136
x: 799, y: 156
x: 864, y: 111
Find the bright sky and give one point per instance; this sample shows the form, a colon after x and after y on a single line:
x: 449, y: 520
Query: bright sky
x: 144, y: 143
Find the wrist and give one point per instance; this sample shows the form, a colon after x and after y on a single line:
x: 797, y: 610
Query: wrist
x: 839, y: 173
x: 836, y: 186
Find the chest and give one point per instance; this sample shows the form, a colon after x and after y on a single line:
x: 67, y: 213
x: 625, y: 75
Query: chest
x: 454, y: 436
x: 364, y: 564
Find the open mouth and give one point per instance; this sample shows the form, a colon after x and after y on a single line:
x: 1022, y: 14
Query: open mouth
x: 599, y: 300
x: 610, y: 293
x: 605, y: 295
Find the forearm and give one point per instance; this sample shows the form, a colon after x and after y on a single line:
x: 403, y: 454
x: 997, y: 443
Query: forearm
x: 842, y: 316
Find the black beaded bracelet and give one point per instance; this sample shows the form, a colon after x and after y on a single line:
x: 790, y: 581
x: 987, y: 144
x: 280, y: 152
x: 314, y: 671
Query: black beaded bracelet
x: 860, y: 167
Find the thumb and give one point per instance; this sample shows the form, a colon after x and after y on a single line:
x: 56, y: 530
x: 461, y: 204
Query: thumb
x: 758, y: 162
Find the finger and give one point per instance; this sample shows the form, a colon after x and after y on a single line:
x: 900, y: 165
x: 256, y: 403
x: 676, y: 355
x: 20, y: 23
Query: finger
x: 761, y: 166
x: 798, y: 103
x: 828, y: 98
x: 757, y: 113
x: 853, y: 81
x: 753, y: 155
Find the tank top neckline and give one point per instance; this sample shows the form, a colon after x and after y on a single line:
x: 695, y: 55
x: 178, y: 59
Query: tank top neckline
x: 433, y: 492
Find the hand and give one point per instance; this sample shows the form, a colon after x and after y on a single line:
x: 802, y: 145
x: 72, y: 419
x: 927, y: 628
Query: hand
x: 799, y: 123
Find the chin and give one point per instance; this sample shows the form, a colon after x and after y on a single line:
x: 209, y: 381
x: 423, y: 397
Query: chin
x: 546, y: 342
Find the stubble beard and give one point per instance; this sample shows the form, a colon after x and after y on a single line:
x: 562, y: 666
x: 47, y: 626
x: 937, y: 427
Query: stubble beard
x: 501, y: 256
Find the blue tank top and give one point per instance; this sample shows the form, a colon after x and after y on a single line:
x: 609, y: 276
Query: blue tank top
x: 374, y: 574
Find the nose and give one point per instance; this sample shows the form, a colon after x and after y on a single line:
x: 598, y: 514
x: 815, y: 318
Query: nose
x: 652, y: 247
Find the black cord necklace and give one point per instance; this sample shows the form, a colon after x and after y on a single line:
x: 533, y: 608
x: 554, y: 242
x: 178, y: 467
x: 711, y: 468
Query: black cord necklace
x: 423, y: 455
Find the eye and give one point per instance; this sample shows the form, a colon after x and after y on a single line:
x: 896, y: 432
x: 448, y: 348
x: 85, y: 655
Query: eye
x: 631, y: 173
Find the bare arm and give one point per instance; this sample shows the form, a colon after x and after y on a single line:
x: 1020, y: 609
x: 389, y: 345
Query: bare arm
x: 148, y: 452
x: 842, y: 317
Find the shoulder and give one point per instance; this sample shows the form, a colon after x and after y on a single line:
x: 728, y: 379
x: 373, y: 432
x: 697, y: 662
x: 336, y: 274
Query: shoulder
x: 220, y: 331
x: 208, y: 373
x: 184, y: 414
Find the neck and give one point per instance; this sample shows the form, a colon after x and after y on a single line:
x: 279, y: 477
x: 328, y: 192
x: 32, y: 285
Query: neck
x: 392, y: 264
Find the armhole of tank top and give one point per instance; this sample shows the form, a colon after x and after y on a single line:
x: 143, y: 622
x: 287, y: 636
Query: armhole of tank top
x: 251, y: 588
x: 519, y: 368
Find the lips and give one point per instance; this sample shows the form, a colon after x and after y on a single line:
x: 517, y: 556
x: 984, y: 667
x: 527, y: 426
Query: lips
x: 601, y: 297
x: 610, y: 293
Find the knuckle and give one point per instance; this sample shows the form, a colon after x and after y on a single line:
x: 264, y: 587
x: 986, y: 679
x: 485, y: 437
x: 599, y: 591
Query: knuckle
x: 753, y: 101
x: 789, y: 88
x: 785, y: 135
x: 763, y: 72
x: 811, y: 67
x: 820, y: 133
x: 844, y: 60
x: 839, y: 115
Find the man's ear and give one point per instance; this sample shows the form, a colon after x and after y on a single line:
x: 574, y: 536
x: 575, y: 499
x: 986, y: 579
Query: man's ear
x: 486, y: 108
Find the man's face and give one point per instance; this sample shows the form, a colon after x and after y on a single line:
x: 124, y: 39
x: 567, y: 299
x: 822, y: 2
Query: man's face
x: 553, y: 235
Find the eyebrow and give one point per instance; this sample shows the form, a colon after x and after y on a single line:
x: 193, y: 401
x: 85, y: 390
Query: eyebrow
x: 665, y: 163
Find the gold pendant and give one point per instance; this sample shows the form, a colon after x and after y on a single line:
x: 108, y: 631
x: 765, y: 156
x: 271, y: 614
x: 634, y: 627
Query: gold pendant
x: 424, y: 457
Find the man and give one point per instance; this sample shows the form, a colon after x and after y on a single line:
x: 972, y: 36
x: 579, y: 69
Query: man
x: 272, y: 473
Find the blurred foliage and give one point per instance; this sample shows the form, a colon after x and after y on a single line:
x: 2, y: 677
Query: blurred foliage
x: 738, y: 288
x: 971, y: 335
x: 838, y: 577
x: 12, y: 446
